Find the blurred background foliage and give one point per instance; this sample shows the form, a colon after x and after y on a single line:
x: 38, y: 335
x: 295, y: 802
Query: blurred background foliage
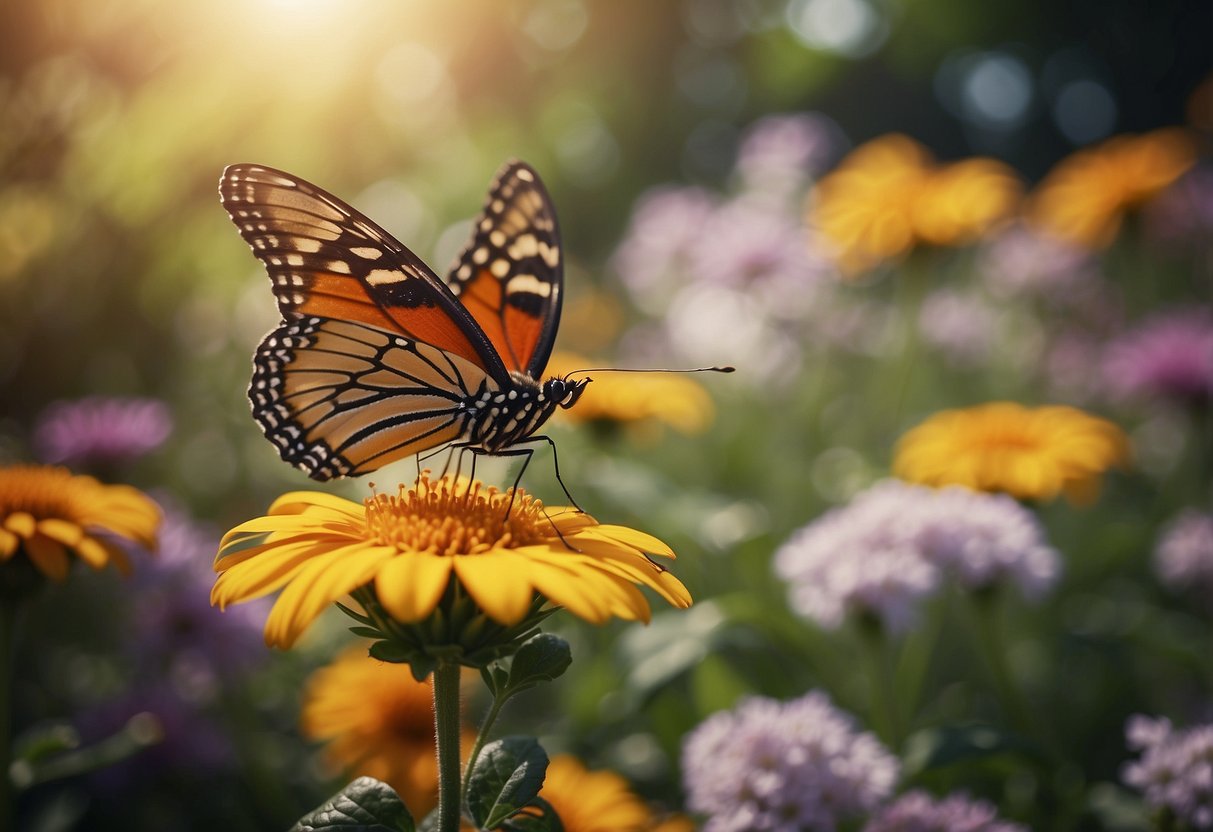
x: 121, y: 275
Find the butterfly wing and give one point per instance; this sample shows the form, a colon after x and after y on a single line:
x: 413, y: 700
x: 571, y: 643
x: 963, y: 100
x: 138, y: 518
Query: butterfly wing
x: 341, y: 398
x: 327, y: 260
x: 510, y: 275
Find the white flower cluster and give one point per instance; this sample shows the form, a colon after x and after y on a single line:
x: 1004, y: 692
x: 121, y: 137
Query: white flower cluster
x: 1175, y: 770
x: 894, y: 544
x: 1183, y: 558
x: 769, y: 765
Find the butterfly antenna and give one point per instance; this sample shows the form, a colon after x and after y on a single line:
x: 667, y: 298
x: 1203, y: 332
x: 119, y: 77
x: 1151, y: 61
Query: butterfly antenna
x: 653, y: 370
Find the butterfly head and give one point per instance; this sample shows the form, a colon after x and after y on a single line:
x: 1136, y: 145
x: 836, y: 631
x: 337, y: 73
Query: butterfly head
x: 564, y: 391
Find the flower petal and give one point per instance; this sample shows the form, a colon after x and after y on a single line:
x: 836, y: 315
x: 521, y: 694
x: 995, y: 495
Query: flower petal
x: 21, y: 523
x: 499, y: 583
x: 410, y: 585
x: 48, y: 555
x: 322, y: 581
x: 631, y: 537
x: 9, y: 544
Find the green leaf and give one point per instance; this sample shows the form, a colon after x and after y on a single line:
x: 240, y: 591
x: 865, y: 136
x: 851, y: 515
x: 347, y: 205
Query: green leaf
x: 366, y: 632
x: 495, y: 678
x: 365, y: 805
x: 507, y: 776
x: 539, y: 816
x: 542, y: 659
x: 969, y: 743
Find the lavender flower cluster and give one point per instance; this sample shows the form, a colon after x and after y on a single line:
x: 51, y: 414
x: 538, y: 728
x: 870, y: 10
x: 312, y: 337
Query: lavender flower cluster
x: 894, y: 544
x: 769, y: 765
x: 917, y: 811
x: 101, y: 429
x: 1183, y: 558
x: 1175, y: 769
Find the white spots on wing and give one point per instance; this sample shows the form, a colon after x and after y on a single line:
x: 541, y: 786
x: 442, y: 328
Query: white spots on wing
x: 339, y: 267
x: 486, y: 224
x: 294, y: 259
x: 480, y: 256
x: 525, y: 246
x: 465, y: 272
x: 307, y: 244
x: 524, y: 174
x: 500, y: 268
x: 378, y: 277
x: 367, y: 252
x: 529, y: 284
x: 497, y: 206
x: 497, y: 238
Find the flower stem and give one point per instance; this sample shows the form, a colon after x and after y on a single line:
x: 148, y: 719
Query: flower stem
x: 991, y: 643
x: 8, y: 627
x: 885, y: 718
x: 482, y: 736
x: 446, y: 732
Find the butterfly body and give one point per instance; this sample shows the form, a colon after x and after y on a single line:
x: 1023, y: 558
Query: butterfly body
x: 376, y: 358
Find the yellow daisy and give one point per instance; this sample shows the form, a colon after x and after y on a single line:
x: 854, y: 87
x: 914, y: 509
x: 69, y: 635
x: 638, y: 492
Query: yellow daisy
x: 408, y: 548
x: 1085, y: 197
x: 49, y: 514
x: 1031, y: 453
x: 593, y: 801
x: 378, y: 722
x: 889, y: 195
x: 676, y: 400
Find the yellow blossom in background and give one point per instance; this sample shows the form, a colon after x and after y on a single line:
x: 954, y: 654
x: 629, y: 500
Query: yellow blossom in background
x: 673, y: 399
x: 593, y: 801
x: 1084, y: 198
x: 1031, y: 453
x: 317, y: 548
x: 378, y: 722
x: 49, y: 514
x: 890, y: 195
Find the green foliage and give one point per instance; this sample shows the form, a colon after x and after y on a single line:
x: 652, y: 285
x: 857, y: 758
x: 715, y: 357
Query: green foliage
x: 365, y: 805
x: 506, y: 778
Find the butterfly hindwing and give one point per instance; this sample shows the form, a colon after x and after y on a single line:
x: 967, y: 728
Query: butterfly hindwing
x: 326, y: 259
x: 510, y: 275
x: 340, y: 398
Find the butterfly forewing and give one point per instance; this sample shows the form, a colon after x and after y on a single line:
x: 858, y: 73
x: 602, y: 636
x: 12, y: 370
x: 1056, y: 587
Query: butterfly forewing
x: 326, y: 259
x: 510, y: 275
x: 340, y: 398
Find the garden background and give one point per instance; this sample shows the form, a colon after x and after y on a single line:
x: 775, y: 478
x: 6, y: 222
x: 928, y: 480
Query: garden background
x: 688, y: 147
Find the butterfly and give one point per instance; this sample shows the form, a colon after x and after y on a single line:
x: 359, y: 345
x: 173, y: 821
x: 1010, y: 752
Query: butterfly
x: 377, y: 358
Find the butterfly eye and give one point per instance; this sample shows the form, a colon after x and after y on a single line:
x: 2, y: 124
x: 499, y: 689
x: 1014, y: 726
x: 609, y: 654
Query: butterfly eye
x: 571, y: 391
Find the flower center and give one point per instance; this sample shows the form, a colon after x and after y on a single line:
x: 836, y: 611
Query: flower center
x: 41, y: 492
x: 1005, y: 440
x: 455, y: 517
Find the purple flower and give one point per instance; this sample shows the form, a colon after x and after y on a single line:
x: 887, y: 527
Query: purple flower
x: 769, y: 765
x: 1170, y: 356
x: 890, y: 548
x: 783, y: 152
x: 1184, y: 211
x: 917, y: 811
x: 653, y: 259
x: 962, y: 326
x: 1175, y: 769
x: 173, y: 623
x: 1021, y: 262
x: 101, y: 429
x: 1184, y: 555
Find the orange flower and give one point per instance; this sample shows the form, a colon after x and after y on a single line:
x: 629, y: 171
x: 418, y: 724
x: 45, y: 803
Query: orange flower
x: 1031, y: 453
x: 378, y: 722
x: 889, y: 195
x: 49, y: 513
x: 1085, y: 197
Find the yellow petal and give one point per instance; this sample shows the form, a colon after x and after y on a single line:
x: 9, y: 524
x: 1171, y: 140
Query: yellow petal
x: 21, y: 523
x: 8, y: 544
x: 69, y: 534
x: 317, y: 585
x: 632, y: 537
x: 296, y: 502
x: 265, y: 573
x: 499, y: 583
x: 410, y: 585
x: 48, y: 555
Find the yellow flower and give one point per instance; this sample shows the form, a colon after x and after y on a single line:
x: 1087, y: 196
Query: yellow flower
x: 1085, y: 196
x: 1032, y: 453
x: 593, y: 801
x: 409, y: 547
x: 49, y: 513
x: 676, y: 400
x: 889, y: 195
x: 378, y: 722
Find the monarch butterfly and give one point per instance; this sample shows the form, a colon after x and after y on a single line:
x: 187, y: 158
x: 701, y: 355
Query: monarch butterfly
x: 376, y: 358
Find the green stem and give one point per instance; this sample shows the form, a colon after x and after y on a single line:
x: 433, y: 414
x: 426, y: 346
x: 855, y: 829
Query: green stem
x: 482, y: 737
x: 446, y: 733
x: 885, y: 718
x: 8, y: 627
x: 991, y: 643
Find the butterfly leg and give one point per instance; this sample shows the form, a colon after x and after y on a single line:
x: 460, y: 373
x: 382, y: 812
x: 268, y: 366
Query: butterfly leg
x: 555, y: 466
x: 527, y: 453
